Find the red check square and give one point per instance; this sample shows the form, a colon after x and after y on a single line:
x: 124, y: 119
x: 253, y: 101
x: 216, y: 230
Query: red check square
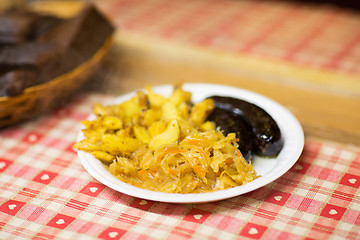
x: 142, y: 204
x: 197, y: 215
x: 112, y: 233
x: 4, y: 164
x: 300, y: 167
x: 277, y: 197
x: 60, y: 221
x: 252, y: 230
x: 333, y: 211
x: 32, y: 138
x: 351, y: 180
x: 93, y: 189
x: 45, y: 177
x: 11, y: 207
x: 70, y: 148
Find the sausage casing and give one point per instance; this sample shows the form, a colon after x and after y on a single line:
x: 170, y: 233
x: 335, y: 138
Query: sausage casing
x: 268, y: 141
x: 229, y: 123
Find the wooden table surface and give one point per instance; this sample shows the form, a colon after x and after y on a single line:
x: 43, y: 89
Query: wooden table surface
x: 326, y: 101
x: 329, y: 112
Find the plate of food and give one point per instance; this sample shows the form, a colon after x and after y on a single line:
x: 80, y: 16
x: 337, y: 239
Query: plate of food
x: 189, y: 143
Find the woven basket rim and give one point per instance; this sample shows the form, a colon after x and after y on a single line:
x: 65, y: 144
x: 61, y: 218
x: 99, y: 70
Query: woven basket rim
x: 100, y: 53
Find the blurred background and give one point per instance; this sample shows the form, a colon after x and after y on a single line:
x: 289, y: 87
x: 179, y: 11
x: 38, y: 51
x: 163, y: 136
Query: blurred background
x: 304, y: 54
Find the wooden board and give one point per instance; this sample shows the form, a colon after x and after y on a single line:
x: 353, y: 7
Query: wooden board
x: 325, y: 109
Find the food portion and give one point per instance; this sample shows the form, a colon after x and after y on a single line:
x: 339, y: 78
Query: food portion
x: 35, y: 48
x: 250, y: 118
x: 228, y: 123
x: 165, y: 144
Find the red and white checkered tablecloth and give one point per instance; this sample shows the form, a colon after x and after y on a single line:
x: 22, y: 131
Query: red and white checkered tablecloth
x: 321, y: 37
x: 45, y: 193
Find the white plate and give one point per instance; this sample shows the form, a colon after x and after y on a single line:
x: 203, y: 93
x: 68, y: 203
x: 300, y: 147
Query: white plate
x: 269, y: 169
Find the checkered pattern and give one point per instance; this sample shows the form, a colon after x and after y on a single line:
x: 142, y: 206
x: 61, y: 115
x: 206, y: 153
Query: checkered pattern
x: 322, y: 37
x: 45, y: 193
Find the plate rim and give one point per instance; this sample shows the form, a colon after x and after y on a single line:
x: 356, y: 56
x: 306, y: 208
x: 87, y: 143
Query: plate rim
x: 95, y: 168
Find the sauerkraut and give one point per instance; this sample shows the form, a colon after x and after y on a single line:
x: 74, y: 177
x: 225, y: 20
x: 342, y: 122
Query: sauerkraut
x: 165, y: 144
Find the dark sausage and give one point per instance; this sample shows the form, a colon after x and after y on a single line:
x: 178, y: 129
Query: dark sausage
x: 268, y: 140
x: 228, y: 123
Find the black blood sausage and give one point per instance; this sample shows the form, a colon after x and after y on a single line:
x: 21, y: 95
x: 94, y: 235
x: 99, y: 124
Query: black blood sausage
x: 228, y: 123
x: 268, y: 141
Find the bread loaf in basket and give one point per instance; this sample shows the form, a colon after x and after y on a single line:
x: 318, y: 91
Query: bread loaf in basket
x: 47, y: 59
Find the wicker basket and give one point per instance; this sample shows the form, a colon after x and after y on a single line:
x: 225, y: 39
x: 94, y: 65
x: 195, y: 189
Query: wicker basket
x: 45, y: 97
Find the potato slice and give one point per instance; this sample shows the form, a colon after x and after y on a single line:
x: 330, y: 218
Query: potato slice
x: 103, y: 156
x: 157, y: 128
x: 155, y: 100
x: 112, y: 123
x: 87, y: 146
x: 200, y: 111
x: 142, y: 134
x: 151, y: 116
x: 180, y: 96
x: 117, y: 145
x: 100, y: 110
x: 169, y: 111
x: 170, y: 135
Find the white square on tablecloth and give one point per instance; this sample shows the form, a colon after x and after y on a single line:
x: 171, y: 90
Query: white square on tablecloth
x: 309, y: 217
x: 206, y: 230
x: 53, y: 206
x: 322, y: 162
x: 99, y: 202
x: 168, y: 220
x: 118, y: 207
x: 94, y: 217
x: 243, y: 215
x: 225, y: 235
x: 140, y: 229
x: 340, y: 166
x: 34, y: 227
x: 309, y: 180
x: 75, y: 173
x: 158, y: 233
x: 355, y: 205
x: 6, y: 235
x: 301, y: 192
x: 51, y: 190
x: 327, y: 150
x: 20, y: 182
x: 17, y: 222
x: 328, y: 185
x: 151, y: 217
x: 6, y: 144
x: 6, y: 194
x: 281, y: 226
x: 298, y: 230
x: 35, y: 163
x: 64, y: 234
x: 347, y: 227
x: 289, y: 212
x: 346, y: 155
